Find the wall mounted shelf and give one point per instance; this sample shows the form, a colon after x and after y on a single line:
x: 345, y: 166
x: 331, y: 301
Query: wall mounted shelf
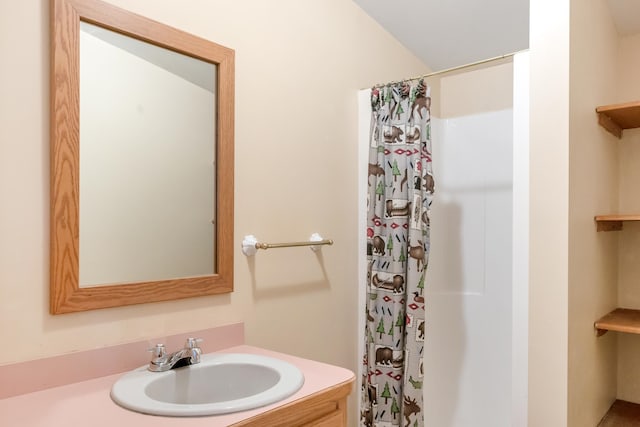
x: 619, y: 320
x: 613, y: 222
x: 617, y: 117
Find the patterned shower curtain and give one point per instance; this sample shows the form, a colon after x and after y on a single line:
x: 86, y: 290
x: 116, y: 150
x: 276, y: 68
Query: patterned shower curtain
x: 399, y: 196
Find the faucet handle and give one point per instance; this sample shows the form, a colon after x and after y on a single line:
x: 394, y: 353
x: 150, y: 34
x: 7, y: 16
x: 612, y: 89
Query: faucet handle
x: 192, y: 343
x: 157, y: 352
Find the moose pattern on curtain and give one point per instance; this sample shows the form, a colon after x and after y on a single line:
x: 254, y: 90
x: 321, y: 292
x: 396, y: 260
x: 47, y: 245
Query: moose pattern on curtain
x: 400, y: 189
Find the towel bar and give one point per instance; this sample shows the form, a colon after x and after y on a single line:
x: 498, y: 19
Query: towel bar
x: 250, y: 244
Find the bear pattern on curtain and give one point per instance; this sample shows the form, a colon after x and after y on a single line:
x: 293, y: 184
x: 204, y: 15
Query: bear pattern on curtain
x: 400, y: 189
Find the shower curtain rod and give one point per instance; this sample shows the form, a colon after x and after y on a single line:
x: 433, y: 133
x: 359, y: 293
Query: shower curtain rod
x: 448, y: 70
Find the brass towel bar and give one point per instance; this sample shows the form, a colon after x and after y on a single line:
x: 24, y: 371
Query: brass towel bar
x: 291, y: 244
x: 250, y: 244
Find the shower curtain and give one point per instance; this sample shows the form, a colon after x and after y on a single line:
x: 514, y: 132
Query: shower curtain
x: 400, y: 189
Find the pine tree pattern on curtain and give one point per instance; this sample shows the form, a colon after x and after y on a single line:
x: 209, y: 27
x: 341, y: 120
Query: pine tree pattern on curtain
x: 400, y: 189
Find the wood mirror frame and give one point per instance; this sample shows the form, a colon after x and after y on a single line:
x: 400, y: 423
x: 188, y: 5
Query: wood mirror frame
x: 66, y: 295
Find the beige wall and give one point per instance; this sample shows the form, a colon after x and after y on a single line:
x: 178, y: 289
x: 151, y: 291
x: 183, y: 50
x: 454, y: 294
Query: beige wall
x: 549, y: 192
x: 629, y: 64
x: 593, y: 176
x: 299, y: 66
x: 480, y: 89
x: 628, y: 89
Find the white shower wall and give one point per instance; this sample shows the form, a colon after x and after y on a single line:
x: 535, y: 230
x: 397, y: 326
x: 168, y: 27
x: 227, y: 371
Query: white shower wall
x: 468, y: 349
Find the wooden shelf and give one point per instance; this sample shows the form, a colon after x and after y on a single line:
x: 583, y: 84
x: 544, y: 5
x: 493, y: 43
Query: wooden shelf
x: 617, y: 117
x: 621, y: 414
x: 619, y: 320
x: 613, y: 222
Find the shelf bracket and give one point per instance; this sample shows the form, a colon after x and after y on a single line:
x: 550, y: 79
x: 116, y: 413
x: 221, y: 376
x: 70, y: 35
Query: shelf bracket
x: 600, y: 332
x: 609, y: 124
x: 609, y: 225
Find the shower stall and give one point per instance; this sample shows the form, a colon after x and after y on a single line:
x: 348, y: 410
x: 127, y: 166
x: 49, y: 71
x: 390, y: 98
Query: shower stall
x: 476, y: 288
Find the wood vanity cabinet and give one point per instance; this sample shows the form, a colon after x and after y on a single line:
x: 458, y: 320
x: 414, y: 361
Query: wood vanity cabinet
x: 327, y: 408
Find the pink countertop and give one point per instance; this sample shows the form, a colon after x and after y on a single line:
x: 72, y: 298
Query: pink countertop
x: 87, y: 403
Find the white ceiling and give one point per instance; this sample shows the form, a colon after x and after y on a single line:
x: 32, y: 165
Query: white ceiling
x: 449, y: 33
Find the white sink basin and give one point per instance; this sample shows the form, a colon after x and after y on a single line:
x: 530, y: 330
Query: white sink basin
x: 219, y: 384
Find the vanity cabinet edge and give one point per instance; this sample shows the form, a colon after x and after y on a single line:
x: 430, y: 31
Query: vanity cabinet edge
x: 322, y: 409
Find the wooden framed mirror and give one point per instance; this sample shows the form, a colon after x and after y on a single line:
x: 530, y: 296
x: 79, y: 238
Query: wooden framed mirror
x: 141, y: 160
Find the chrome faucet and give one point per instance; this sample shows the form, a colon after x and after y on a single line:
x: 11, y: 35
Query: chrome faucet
x: 189, y: 355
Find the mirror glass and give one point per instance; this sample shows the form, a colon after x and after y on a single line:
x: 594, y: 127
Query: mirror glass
x: 147, y: 161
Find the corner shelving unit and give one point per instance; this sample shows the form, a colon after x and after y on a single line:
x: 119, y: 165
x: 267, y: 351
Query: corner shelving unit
x: 616, y: 118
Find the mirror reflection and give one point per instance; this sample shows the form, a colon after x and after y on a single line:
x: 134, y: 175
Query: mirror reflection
x: 147, y: 161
